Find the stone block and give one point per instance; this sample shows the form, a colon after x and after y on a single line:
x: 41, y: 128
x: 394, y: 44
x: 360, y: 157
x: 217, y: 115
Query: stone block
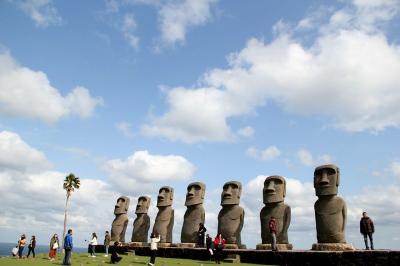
x: 332, y: 246
x: 280, y: 247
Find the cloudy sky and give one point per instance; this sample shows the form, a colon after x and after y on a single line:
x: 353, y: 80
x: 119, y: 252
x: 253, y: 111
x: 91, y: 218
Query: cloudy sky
x: 132, y: 95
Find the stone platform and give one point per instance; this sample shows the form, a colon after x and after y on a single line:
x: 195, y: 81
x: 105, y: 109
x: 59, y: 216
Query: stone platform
x: 332, y: 247
x: 279, y: 246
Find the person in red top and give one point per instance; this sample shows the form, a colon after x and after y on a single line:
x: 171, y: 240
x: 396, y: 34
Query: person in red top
x: 273, y: 229
x: 219, y: 243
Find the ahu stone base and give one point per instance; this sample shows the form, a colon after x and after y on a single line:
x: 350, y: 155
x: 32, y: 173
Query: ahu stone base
x: 138, y: 244
x: 164, y: 245
x: 184, y: 245
x: 278, y: 246
x: 232, y: 258
x: 332, y: 247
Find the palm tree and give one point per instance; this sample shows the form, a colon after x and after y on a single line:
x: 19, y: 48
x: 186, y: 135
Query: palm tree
x: 71, y: 183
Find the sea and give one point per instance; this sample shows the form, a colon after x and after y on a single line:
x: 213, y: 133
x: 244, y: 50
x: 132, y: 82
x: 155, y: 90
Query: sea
x: 5, y: 249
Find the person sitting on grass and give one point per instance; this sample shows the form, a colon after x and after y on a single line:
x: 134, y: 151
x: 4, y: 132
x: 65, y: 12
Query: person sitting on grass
x: 114, y: 255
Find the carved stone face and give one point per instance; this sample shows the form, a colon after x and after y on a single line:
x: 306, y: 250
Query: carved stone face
x: 142, y: 205
x: 195, y: 193
x: 165, y: 196
x: 122, y: 205
x: 326, y: 180
x: 274, y: 189
x: 231, y: 193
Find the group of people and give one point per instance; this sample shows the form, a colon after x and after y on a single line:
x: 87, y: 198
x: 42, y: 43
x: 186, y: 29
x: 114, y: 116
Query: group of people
x: 19, y: 248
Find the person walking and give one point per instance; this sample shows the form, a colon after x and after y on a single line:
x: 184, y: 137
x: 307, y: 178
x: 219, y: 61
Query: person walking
x: 92, y: 245
x: 107, y: 240
x: 273, y: 229
x: 153, y: 248
x: 68, y: 246
x: 200, y: 235
x: 114, y: 254
x: 21, y: 245
x: 367, y: 229
x: 31, y: 247
x: 54, y: 245
x: 209, y: 245
x: 219, y: 243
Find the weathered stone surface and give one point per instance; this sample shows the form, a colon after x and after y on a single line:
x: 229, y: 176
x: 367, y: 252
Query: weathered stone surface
x: 141, y: 224
x: 330, y: 210
x: 280, y: 247
x: 332, y: 247
x: 138, y: 244
x: 231, y: 216
x: 120, y: 223
x: 195, y: 213
x: 164, y: 222
x: 232, y: 258
x: 184, y: 245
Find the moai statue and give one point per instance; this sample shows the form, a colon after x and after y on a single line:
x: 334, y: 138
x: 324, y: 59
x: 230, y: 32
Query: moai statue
x: 195, y: 213
x: 274, y: 193
x: 330, y: 210
x: 164, y: 222
x: 118, y: 227
x: 141, y: 224
x: 231, y: 216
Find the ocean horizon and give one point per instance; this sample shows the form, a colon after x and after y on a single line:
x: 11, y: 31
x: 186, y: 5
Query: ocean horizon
x: 5, y: 249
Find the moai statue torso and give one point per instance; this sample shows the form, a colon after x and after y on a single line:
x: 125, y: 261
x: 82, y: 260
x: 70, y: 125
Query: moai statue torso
x: 164, y: 222
x: 273, y: 197
x: 141, y: 224
x: 231, y: 216
x: 330, y: 210
x: 118, y: 227
x: 194, y: 214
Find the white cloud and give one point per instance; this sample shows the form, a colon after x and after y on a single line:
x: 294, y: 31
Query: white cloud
x: 42, y: 12
x: 128, y: 28
x: 395, y: 168
x: 346, y: 73
x: 246, y: 131
x: 125, y: 128
x: 267, y: 154
x: 306, y: 158
x: 141, y: 170
x: 28, y: 93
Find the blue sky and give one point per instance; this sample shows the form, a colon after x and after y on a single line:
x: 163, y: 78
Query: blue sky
x: 132, y: 95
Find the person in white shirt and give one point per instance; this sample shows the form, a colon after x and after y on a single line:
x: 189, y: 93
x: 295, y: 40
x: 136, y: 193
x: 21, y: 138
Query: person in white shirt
x: 92, y: 245
x: 153, y: 248
x: 14, y: 251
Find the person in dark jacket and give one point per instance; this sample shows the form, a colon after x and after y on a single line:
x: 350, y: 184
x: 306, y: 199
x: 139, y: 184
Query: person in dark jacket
x: 200, y: 235
x: 273, y: 229
x: 367, y: 229
x: 209, y: 245
x: 31, y: 247
x: 114, y: 255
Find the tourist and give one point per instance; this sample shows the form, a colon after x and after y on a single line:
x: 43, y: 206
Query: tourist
x: 14, y: 251
x: 107, y: 240
x: 68, y: 245
x: 209, y: 244
x: 21, y: 245
x: 92, y: 245
x: 31, y: 247
x: 219, y: 243
x: 367, y: 229
x: 114, y: 255
x: 54, y: 245
x: 153, y: 248
x: 273, y: 229
x: 200, y: 235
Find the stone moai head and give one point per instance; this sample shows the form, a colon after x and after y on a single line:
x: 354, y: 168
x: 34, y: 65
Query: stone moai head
x: 231, y: 193
x: 165, y: 196
x: 143, y: 204
x: 274, y: 189
x: 195, y: 193
x: 326, y: 180
x: 122, y: 205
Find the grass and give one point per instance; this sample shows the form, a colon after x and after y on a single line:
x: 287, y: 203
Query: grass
x: 82, y: 259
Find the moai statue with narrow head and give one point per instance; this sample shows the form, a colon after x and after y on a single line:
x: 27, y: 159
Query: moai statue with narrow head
x: 194, y: 214
x: 274, y: 193
x: 330, y: 210
x: 164, y: 222
x: 141, y: 224
x: 118, y: 227
x: 231, y: 216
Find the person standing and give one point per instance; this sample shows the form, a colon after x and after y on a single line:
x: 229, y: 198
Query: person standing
x: 219, y: 243
x: 54, y: 245
x: 153, y: 248
x: 200, y: 235
x: 273, y: 229
x: 68, y: 246
x: 107, y: 240
x: 367, y: 229
x: 209, y: 244
x: 21, y: 245
x: 92, y: 245
x: 31, y: 247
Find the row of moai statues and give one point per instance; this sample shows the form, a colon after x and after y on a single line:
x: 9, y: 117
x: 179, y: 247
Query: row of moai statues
x: 330, y: 214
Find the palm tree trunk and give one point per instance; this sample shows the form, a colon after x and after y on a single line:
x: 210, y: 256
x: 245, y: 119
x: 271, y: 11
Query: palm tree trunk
x: 65, y: 221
